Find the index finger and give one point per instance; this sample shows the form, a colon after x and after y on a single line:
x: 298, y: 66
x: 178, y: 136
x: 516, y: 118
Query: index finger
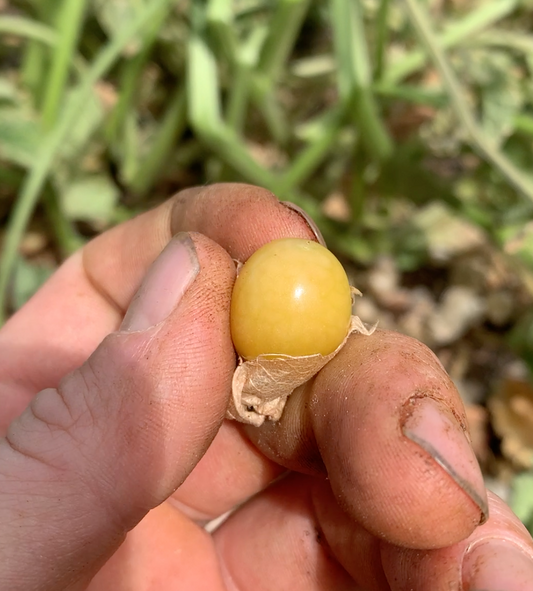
x: 384, y: 422
x: 241, y: 218
x: 86, y: 298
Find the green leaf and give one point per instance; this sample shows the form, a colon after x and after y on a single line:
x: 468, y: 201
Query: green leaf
x: 89, y: 119
x: 500, y: 106
x: 70, y: 18
x: 20, y: 136
x: 8, y: 91
x: 522, y: 498
x: 90, y: 198
x: 24, y: 27
x: 113, y: 15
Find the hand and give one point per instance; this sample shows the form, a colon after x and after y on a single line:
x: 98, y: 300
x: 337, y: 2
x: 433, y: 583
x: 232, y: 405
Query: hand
x: 108, y: 475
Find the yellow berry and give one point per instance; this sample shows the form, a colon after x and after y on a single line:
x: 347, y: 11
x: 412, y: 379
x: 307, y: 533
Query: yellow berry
x: 292, y: 297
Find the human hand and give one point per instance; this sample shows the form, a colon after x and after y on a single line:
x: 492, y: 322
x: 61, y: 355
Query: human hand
x: 108, y: 476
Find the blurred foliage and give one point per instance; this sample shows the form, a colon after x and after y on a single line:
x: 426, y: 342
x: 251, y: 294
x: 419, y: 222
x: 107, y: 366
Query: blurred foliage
x: 367, y: 114
x: 108, y: 106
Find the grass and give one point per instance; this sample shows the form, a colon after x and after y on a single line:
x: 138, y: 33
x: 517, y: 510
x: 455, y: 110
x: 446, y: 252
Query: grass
x: 231, y: 65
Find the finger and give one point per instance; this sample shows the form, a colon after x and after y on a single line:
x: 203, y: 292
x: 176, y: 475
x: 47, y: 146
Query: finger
x: 165, y: 552
x: 241, y: 218
x: 356, y: 549
x: 297, y: 525
x: 84, y: 463
x: 86, y: 298
x: 387, y: 426
x: 497, y: 556
x: 51, y: 335
x: 275, y: 542
x: 231, y: 471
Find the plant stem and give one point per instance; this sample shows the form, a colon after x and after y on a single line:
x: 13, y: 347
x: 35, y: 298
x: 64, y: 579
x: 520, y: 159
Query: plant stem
x: 284, y: 27
x: 69, y: 22
x: 131, y: 77
x: 170, y: 129
x: 355, y: 78
x: 308, y: 160
x: 28, y: 29
x: 66, y: 236
x: 381, y: 38
x: 478, y: 139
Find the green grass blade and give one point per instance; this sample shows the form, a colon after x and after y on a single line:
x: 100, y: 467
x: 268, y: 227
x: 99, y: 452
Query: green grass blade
x: 343, y: 33
x: 35, y: 62
x: 268, y: 105
x: 37, y: 176
x: 66, y: 237
x: 455, y: 33
x: 355, y: 77
x: 310, y: 158
x: 382, y: 30
x: 131, y: 146
x: 219, y: 17
x: 278, y: 45
x: 523, y: 123
x: 69, y: 22
x: 507, y: 39
x: 170, y: 129
x: 203, y: 105
x: 28, y: 29
x: 131, y: 76
x: 412, y: 94
x: 202, y: 86
x: 237, y: 101
x: 283, y: 32
x: 32, y: 76
x: 230, y: 149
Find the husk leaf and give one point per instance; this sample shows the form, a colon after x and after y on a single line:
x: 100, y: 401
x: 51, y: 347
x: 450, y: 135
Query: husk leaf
x: 262, y: 385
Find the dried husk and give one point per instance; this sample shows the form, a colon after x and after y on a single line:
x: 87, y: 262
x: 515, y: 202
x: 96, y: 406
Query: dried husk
x: 262, y: 385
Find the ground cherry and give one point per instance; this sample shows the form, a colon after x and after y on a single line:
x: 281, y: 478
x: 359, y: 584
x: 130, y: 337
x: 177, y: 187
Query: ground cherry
x: 292, y: 297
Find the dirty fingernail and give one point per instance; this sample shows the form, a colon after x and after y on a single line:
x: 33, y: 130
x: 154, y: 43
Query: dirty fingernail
x: 434, y: 428
x: 496, y: 565
x: 308, y: 220
x: 164, y: 285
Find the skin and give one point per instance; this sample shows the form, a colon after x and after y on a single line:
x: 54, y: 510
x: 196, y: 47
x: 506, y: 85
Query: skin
x: 108, y: 476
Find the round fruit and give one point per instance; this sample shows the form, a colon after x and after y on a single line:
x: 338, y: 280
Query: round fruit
x: 292, y: 297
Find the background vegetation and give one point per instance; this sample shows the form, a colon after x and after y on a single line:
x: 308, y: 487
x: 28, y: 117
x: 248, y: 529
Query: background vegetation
x: 404, y: 128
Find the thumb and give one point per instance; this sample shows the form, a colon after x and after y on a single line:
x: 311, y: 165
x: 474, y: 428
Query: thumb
x: 84, y: 463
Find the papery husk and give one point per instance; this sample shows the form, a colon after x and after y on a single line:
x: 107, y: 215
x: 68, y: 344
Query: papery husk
x: 262, y: 385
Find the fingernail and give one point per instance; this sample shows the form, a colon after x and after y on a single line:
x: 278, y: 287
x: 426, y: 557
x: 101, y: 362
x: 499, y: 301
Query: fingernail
x: 434, y: 428
x: 497, y: 566
x: 308, y: 220
x: 164, y: 285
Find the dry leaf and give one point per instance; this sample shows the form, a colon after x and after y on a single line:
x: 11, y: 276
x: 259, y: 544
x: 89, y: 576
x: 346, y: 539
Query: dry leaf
x: 512, y: 417
x: 261, y: 386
